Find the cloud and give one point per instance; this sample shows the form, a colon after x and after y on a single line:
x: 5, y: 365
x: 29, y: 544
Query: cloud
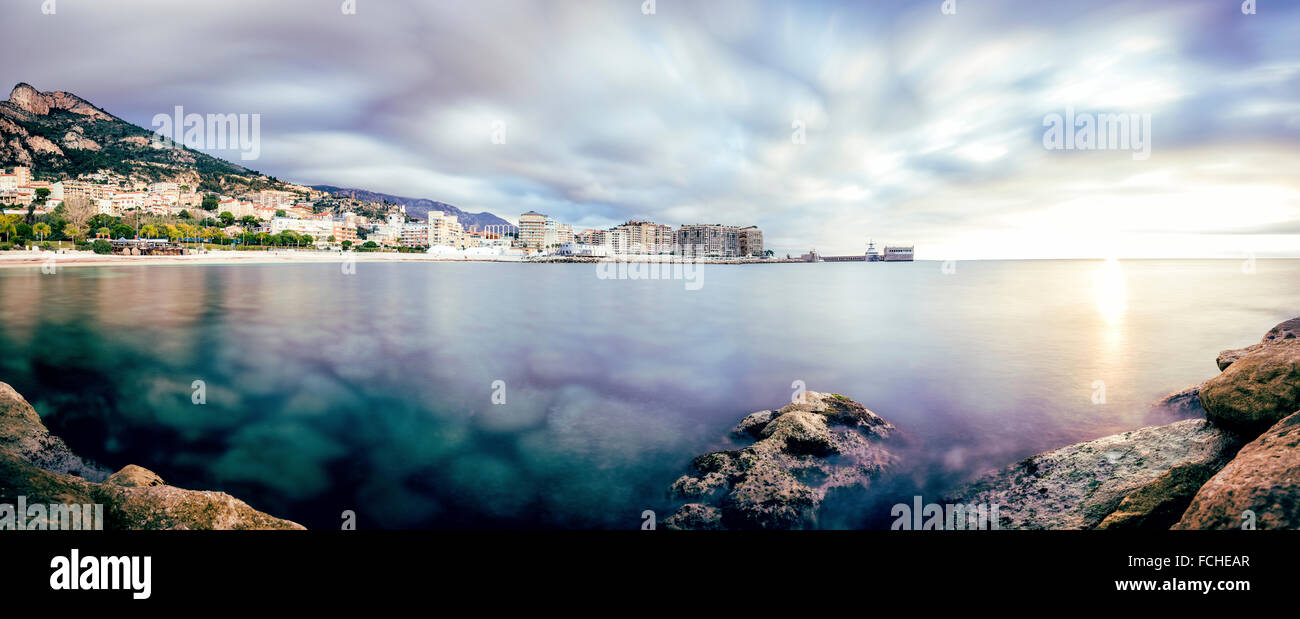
x: 919, y: 127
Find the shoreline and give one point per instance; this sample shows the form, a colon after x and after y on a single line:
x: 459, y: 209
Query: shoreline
x: 17, y: 259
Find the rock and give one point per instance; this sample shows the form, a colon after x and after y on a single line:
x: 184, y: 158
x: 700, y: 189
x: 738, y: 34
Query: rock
x: 133, y: 476
x: 32, y: 101
x: 801, y: 433
x: 29, y: 99
x: 1159, y: 504
x: 1263, y: 478
x: 43, y: 146
x: 694, y: 517
x: 1257, y: 390
x: 751, y: 425
x: 38, y: 465
x: 1185, y: 403
x: 1079, y: 486
x: 74, y: 139
x: 802, y: 452
x: 23, y: 434
x: 1288, y: 330
x: 131, y: 507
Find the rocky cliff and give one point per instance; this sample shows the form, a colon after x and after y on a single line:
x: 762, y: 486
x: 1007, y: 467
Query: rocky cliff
x: 61, y: 135
x: 38, y: 466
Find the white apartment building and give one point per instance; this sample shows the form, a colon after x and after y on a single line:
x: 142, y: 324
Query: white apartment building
x: 318, y: 229
x: 444, y: 229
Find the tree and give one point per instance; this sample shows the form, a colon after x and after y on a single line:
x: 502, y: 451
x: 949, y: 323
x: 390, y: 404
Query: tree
x: 226, y: 218
x: 42, y: 230
x: 102, y: 247
x: 248, y: 221
x: 78, y: 211
x: 103, y: 232
x: 73, y: 231
x: 7, y: 227
x: 210, y: 202
x: 184, y: 215
x: 281, y: 213
x: 306, y: 239
x: 346, y: 245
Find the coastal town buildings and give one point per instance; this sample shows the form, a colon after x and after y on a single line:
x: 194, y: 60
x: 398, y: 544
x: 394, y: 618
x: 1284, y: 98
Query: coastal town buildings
x: 646, y: 237
x: 310, y: 212
x: 444, y: 229
x: 638, y: 237
x: 18, y: 178
x: 709, y: 240
x: 750, y: 241
x: 532, y: 230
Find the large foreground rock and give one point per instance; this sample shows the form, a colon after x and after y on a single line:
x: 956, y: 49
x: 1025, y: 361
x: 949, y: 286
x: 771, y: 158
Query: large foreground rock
x: 1264, y: 478
x: 1079, y: 486
x: 132, y: 507
x: 800, y: 453
x: 38, y: 466
x: 1257, y: 390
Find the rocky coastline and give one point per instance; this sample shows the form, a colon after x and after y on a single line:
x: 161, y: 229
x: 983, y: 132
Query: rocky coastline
x: 1238, y: 467
x: 37, y: 468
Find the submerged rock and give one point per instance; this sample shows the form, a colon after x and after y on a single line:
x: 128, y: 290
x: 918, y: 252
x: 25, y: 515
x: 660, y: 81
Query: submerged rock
x: 1182, y: 404
x: 1257, y: 390
x: 38, y: 466
x: 1079, y: 486
x: 801, y: 452
x: 1264, y: 478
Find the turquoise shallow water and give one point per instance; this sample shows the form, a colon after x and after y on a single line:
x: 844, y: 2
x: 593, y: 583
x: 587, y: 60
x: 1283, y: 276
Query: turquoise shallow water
x: 373, y: 392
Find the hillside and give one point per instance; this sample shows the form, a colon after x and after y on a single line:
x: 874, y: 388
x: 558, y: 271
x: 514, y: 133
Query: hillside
x: 61, y: 135
x: 417, y: 207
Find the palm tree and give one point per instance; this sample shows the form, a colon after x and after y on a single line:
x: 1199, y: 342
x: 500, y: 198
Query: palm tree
x: 148, y: 231
x: 75, y: 230
x: 7, y: 227
x: 42, y: 230
x: 103, y: 232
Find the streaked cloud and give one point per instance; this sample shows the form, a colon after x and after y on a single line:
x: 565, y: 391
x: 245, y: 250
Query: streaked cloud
x: 919, y: 127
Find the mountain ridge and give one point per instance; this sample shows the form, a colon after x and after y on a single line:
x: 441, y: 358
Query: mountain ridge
x: 417, y: 207
x: 60, y: 134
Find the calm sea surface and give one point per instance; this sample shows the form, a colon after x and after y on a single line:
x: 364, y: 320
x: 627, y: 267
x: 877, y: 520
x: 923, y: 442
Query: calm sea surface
x: 373, y: 392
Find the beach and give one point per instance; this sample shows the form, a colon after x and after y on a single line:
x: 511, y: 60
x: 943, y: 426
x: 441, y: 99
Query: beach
x: 13, y: 259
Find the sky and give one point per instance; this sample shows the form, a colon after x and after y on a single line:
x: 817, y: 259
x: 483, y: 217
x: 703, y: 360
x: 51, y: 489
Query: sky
x: 826, y: 124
